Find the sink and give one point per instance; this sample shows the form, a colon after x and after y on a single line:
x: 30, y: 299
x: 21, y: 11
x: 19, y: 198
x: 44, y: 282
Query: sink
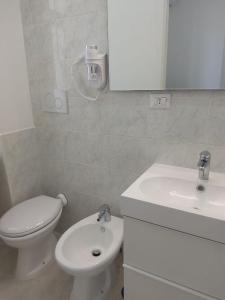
x: 174, y: 197
x: 180, y: 193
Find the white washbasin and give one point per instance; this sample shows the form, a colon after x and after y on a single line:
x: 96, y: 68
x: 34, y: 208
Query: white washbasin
x: 182, y: 193
x: 175, y: 197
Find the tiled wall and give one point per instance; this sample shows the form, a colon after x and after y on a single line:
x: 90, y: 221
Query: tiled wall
x: 94, y: 153
x: 5, y: 201
x: 20, y: 168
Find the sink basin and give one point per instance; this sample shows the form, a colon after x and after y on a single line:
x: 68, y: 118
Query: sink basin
x: 180, y: 193
x: 175, y: 197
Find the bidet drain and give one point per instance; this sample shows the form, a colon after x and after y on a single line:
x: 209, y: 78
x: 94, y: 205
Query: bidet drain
x: 96, y: 252
x: 200, y: 188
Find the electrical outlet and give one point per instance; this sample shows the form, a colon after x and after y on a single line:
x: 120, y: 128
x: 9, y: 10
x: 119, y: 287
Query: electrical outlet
x: 56, y: 102
x: 160, y: 101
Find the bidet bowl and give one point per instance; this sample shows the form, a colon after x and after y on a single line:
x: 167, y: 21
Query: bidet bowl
x: 89, y: 247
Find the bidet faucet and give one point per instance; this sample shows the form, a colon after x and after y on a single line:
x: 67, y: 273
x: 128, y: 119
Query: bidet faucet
x: 204, y: 165
x: 104, y: 213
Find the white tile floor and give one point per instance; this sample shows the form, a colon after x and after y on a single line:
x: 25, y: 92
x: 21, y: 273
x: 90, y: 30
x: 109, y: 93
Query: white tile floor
x: 50, y: 284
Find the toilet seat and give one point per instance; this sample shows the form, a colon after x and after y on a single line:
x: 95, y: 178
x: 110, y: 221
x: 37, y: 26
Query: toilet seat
x: 30, y: 216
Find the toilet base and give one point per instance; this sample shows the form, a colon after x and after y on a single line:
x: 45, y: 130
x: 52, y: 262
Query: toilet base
x: 34, y: 258
x: 93, y: 288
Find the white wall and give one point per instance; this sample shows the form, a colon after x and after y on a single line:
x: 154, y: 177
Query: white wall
x: 223, y: 68
x: 94, y: 153
x: 15, y: 104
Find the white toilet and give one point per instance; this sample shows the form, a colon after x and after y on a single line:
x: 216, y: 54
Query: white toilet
x: 87, y: 251
x: 29, y: 227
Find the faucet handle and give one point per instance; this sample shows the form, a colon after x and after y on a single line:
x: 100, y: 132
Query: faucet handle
x: 205, y: 156
x: 105, y: 211
x: 204, y: 165
x: 104, y: 207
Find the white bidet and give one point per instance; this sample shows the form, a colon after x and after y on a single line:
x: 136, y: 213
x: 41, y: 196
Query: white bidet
x: 87, y: 251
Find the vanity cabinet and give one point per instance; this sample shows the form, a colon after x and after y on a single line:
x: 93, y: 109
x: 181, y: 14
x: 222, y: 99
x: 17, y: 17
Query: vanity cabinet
x: 174, y: 239
x: 143, y: 286
x: 166, y: 264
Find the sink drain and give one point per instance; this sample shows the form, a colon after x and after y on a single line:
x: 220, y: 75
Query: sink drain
x: 96, y: 252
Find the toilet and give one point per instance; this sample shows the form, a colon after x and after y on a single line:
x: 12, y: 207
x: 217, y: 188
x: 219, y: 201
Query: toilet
x: 29, y: 226
x: 87, y: 251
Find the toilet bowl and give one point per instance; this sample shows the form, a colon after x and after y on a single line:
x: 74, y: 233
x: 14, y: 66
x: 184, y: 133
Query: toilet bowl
x: 87, y: 251
x: 29, y: 227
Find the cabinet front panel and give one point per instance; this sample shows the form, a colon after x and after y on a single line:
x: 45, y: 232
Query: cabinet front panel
x: 188, y: 260
x: 140, y: 286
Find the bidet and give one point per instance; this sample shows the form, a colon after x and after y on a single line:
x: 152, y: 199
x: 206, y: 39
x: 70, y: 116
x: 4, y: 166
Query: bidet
x: 87, y: 252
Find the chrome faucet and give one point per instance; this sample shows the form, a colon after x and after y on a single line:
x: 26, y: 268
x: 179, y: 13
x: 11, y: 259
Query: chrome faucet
x: 204, y: 165
x: 104, y: 213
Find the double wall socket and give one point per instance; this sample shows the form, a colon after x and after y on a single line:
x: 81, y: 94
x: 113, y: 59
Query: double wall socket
x: 160, y: 101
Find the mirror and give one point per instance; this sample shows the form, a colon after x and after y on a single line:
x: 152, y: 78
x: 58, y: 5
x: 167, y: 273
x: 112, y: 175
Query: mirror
x: 166, y: 44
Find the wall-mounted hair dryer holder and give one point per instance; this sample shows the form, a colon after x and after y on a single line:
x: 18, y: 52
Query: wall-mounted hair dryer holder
x: 96, y: 71
x: 96, y: 64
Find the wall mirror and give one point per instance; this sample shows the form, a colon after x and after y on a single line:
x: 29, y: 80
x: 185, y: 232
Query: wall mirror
x: 166, y: 44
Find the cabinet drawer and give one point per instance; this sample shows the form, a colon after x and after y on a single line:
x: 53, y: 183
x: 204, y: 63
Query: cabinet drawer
x: 143, y: 286
x: 181, y: 258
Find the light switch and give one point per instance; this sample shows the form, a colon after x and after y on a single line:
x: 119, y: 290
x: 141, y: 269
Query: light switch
x: 160, y: 101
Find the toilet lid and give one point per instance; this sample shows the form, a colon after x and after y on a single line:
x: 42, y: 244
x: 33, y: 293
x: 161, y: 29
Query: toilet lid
x: 30, y: 216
